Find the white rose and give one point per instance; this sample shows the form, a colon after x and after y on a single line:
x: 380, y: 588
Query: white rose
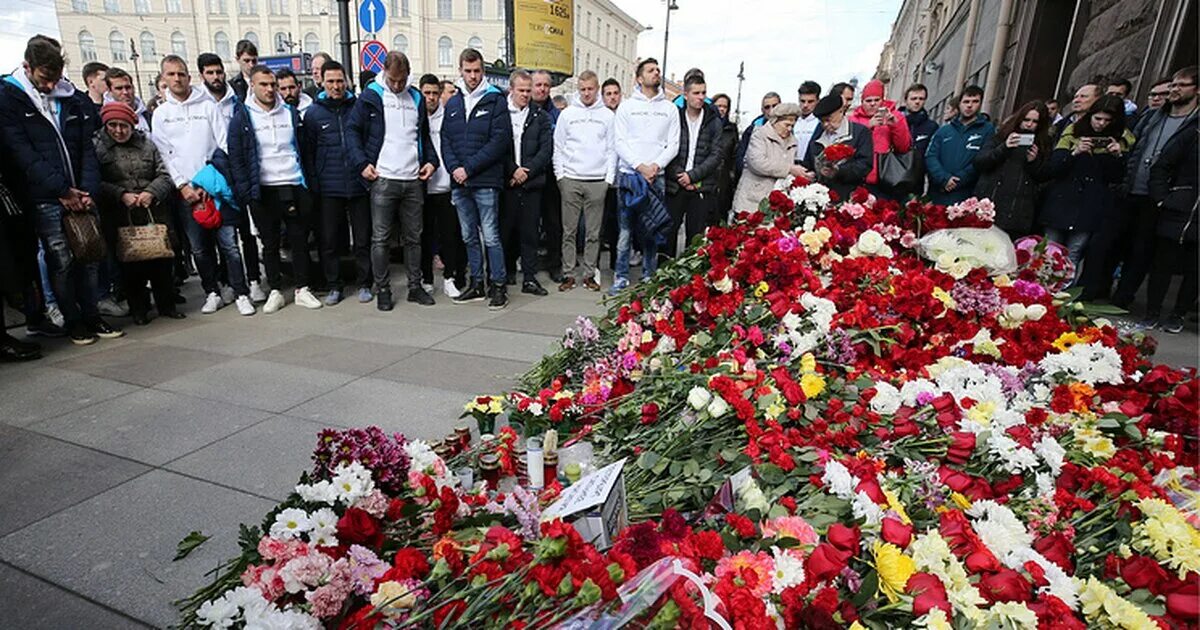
x: 1016, y: 312
x: 718, y: 407
x: 724, y: 285
x: 699, y: 398
x: 870, y: 242
x: 1035, y: 312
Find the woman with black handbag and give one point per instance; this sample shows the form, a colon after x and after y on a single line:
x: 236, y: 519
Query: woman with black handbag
x: 1011, y: 166
x: 135, y: 191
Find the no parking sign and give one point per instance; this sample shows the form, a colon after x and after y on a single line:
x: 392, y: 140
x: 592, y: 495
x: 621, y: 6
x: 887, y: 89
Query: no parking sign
x: 372, y: 56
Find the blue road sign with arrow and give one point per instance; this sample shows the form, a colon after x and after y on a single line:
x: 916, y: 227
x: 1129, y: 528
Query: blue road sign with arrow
x: 371, y: 15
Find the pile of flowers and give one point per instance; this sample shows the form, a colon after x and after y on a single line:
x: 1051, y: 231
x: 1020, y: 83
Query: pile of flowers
x: 827, y: 422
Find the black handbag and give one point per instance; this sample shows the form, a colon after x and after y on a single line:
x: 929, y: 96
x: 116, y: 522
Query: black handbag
x: 902, y: 172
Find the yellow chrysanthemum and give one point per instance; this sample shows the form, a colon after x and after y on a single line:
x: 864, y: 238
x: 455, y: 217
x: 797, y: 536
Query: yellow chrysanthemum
x: 960, y: 500
x: 943, y: 296
x: 896, y: 506
x: 1103, y: 607
x: 1165, y: 534
x: 812, y: 384
x: 808, y: 363
x: 762, y: 289
x: 894, y: 569
x: 982, y: 412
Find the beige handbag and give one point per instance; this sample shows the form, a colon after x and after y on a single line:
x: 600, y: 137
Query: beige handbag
x: 136, y: 243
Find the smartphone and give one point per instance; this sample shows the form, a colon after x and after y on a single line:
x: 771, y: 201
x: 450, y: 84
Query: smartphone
x: 1024, y: 139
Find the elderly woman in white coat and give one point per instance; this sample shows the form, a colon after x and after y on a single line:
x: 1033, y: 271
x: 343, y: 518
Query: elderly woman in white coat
x: 769, y: 158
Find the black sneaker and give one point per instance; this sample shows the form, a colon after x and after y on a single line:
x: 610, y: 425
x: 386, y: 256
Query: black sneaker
x: 473, y: 293
x: 499, y: 298
x: 1173, y: 324
x: 383, y: 300
x: 15, y: 350
x: 103, y: 330
x: 557, y: 276
x: 533, y: 288
x: 81, y: 335
x: 420, y: 296
x: 511, y: 279
x: 44, y: 328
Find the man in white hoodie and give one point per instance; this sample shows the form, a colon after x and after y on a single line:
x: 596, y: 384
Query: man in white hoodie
x: 441, y: 232
x: 187, y: 129
x: 584, y: 163
x: 646, y: 134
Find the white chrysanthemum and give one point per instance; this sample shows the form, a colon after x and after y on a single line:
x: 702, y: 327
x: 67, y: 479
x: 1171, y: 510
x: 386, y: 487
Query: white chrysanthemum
x: 290, y: 523
x: 420, y: 455
x: 218, y: 613
x: 999, y: 529
x: 1051, y: 452
x: 1013, y: 457
x: 863, y: 507
x: 352, y: 482
x: 887, y: 398
x: 914, y: 389
x: 1091, y: 363
x: 789, y: 570
x: 839, y: 480
x: 1060, y: 584
x: 812, y: 196
x: 324, y: 528
x: 274, y: 619
x: 319, y: 492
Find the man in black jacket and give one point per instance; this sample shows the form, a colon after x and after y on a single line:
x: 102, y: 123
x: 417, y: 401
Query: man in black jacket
x: 920, y: 125
x: 247, y: 57
x: 692, y: 175
x: 844, y: 176
x: 525, y: 168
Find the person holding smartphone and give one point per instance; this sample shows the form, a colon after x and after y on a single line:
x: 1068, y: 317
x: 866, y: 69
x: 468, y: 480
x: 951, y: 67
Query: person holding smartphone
x: 1088, y: 158
x: 1011, y: 165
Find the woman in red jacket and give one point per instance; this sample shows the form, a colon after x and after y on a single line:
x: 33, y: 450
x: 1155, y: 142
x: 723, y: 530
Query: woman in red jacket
x: 889, y: 131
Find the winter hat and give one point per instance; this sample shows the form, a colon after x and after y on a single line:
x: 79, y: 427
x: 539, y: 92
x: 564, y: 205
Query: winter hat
x: 874, y: 87
x: 117, y: 110
x: 828, y: 105
x: 785, y: 110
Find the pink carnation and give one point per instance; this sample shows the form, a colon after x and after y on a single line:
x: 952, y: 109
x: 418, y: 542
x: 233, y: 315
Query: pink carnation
x: 375, y: 504
x: 760, y: 566
x: 326, y: 601
x: 281, y: 550
x: 790, y: 527
x: 264, y: 578
x: 305, y: 571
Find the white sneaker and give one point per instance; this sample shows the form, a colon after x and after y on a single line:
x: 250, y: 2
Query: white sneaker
x: 256, y: 293
x: 274, y: 302
x: 227, y: 295
x: 428, y: 287
x: 54, y: 315
x: 305, y: 298
x: 596, y: 275
x: 211, y: 304
x: 244, y: 305
x: 111, y: 308
x: 449, y: 289
x: 635, y: 259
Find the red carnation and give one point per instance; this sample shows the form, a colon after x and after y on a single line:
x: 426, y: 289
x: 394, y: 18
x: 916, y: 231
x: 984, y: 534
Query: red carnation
x: 409, y: 563
x: 742, y: 525
x: 708, y: 545
x: 837, y: 152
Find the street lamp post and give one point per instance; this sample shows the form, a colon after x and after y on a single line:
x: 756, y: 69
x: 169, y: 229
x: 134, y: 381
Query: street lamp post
x: 671, y: 6
x: 137, y: 76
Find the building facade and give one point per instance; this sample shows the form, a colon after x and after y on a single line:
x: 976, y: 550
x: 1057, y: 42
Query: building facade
x: 430, y: 32
x: 1019, y: 50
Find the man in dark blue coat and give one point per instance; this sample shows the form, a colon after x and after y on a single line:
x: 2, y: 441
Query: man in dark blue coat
x: 950, y: 158
x: 391, y: 149
x: 339, y: 189
x: 47, y: 128
x: 525, y: 166
x: 843, y: 176
x: 476, y: 137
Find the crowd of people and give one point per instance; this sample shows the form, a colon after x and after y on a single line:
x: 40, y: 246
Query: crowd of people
x: 111, y: 203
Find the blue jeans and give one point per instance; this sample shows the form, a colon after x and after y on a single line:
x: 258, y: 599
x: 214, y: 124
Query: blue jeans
x: 205, y: 254
x: 75, y: 284
x: 627, y: 224
x: 47, y: 289
x: 479, y: 208
x: 1075, y: 242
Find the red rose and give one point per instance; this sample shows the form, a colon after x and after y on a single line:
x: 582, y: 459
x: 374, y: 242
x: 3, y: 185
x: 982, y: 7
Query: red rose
x: 364, y: 618
x: 1005, y: 585
x: 844, y: 538
x: 356, y: 527
x: 649, y: 413
x: 962, y: 445
x: 1184, y: 605
x: 897, y: 532
x: 1058, y: 549
x: 1144, y: 572
x: 928, y: 593
x: 981, y: 561
x: 825, y: 562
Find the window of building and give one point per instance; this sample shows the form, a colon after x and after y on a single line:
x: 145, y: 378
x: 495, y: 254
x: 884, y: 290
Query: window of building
x: 312, y: 43
x: 400, y: 44
x: 141, y: 7
x: 399, y: 8
x: 607, y: 36
x: 216, y: 6
x: 281, y: 42
x: 248, y: 7
x: 588, y: 32
x: 252, y: 37
x: 87, y: 46
x: 179, y: 44
x: 445, y: 51
x: 587, y: 62
x: 221, y: 46
x: 149, y: 49
x: 474, y: 9
x: 445, y: 9
x: 499, y: 9
x: 278, y: 7
x: 117, y: 43
x: 79, y: 6
x: 477, y: 44
x: 502, y: 48
x: 174, y: 6
x: 112, y: 6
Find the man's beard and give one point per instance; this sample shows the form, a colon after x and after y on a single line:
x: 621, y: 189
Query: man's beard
x: 217, y: 86
x: 292, y: 100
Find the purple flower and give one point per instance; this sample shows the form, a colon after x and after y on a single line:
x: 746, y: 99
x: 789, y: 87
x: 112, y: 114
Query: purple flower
x: 380, y: 453
x: 984, y: 299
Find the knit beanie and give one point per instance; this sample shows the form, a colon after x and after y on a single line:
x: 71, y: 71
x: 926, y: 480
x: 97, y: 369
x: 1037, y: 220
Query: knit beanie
x: 874, y: 87
x: 116, y: 110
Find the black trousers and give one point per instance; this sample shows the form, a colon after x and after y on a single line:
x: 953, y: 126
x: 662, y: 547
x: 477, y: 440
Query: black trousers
x: 692, y: 210
x: 159, y: 273
x: 1168, y: 254
x: 552, y: 229
x: 334, y: 211
x: 519, y: 212
x: 442, y: 235
x: 1127, y: 239
x: 277, y: 206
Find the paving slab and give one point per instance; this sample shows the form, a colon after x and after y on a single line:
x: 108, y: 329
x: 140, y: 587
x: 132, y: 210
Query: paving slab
x: 515, y: 346
x: 257, y: 384
x: 335, y: 354
x: 31, y: 392
x: 265, y: 459
x: 116, y: 548
x: 43, y: 475
x: 143, y: 363
x: 398, y: 331
x: 564, y: 306
x: 414, y: 410
x: 238, y: 338
x: 31, y: 603
x: 441, y: 369
x: 151, y: 426
x: 551, y: 324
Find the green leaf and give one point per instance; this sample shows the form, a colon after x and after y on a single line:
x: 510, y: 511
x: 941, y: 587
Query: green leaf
x: 189, y: 544
x: 866, y: 592
x: 647, y: 460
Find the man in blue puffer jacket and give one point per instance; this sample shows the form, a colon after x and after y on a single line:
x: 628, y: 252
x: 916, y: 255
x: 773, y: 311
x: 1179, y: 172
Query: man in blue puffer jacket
x: 47, y: 128
x: 337, y: 187
x: 390, y: 147
x: 476, y: 137
x: 269, y: 179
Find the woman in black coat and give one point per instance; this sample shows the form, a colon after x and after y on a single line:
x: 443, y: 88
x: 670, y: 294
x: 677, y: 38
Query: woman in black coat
x: 1011, y: 164
x: 1087, y: 161
x: 1173, y: 187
